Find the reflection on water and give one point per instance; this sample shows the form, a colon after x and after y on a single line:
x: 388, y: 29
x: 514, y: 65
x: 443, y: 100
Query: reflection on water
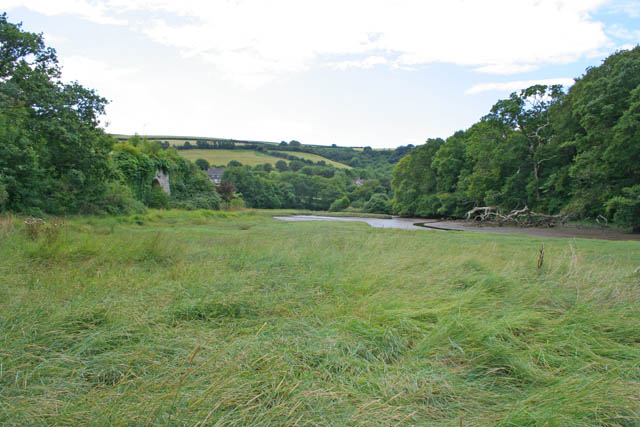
x: 404, y: 223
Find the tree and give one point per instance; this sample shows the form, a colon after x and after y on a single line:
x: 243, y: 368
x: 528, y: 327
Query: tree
x: 203, y: 164
x: 378, y: 203
x: 226, y: 190
x: 58, y: 129
x: 296, y: 165
x: 282, y: 166
x: 340, y: 204
x: 528, y: 112
x: 601, y: 111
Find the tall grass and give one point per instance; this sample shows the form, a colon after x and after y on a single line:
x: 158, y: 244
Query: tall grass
x: 235, y: 318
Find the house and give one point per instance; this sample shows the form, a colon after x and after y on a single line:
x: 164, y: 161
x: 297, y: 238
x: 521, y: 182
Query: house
x: 357, y: 181
x: 215, y: 174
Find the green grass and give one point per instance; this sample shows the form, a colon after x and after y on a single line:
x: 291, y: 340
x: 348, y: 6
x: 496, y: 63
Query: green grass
x: 223, y: 157
x: 316, y: 158
x: 204, y: 318
x: 246, y: 157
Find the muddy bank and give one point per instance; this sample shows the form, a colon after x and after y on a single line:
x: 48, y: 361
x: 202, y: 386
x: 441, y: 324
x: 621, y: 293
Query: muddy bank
x: 431, y: 224
x: 562, y: 231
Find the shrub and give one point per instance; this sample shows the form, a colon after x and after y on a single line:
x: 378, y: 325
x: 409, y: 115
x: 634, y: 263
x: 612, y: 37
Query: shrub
x: 118, y: 199
x: 158, y: 199
x: 4, y: 196
x: 199, y: 201
x: 202, y: 164
x: 378, y: 203
x: 626, y: 208
x: 339, y: 204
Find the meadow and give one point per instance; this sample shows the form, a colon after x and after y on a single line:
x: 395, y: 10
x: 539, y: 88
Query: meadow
x: 223, y: 157
x: 235, y: 318
x: 249, y: 157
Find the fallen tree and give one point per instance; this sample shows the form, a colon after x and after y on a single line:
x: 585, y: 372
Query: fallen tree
x: 524, y: 217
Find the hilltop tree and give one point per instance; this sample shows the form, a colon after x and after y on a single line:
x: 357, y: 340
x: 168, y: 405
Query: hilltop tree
x: 203, y: 164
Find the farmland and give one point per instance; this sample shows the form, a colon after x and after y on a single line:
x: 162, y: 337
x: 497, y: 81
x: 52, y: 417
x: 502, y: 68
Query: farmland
x: 248, y: 157
x: 223, y: 157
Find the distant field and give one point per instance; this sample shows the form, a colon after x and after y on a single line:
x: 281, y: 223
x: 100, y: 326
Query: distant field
x: 317, y: 158
x: 179, y: 142
x: 222, y: 157
x: 248, y: 157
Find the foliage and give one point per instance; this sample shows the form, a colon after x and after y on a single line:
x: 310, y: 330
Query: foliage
x: 378, y: 203
x: 626, y: 208
x: 53, y: 156
x: 340, y: 204
x: 202, y: 164
x: 577, y: 153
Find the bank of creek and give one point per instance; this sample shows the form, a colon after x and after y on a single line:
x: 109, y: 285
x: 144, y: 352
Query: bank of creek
x: 451, y: 226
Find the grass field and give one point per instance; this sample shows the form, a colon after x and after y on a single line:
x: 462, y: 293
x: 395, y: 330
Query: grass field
x: 248, y: 157
x: 317, y: 158
x: 223, y: 157
x: 202, y: 318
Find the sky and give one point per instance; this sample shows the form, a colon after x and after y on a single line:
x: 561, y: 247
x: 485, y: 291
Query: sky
x: 377, y: 73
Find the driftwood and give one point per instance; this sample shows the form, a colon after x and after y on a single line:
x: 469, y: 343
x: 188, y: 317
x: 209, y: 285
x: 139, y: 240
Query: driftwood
x: 524, y: 217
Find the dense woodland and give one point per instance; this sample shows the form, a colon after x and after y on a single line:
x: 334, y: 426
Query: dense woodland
x: 575, y: 152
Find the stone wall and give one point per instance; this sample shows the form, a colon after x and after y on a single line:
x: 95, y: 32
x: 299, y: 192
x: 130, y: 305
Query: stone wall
x: 163, y: 180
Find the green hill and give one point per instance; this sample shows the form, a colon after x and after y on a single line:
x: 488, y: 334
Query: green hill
x: 250, y: 157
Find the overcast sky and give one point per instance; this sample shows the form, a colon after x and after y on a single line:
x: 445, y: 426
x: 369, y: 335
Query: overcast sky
x: 346, y: 72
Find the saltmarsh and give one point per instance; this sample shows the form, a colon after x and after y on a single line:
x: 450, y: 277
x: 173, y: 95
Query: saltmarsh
x: 200, y: 318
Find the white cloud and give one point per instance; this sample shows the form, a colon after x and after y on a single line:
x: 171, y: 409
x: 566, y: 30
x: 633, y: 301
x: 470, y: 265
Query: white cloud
x: 93, y: 11
x: 505, y: 69
x: 629, y: 8
x: 92, y: 72
x: 621, y: 32
x: 366, y: 63
x: 626, y: 46
x: 516, y: 85
x: 252, y: 42
x: 53, y: 39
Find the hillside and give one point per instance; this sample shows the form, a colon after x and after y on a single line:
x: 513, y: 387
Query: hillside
x: 223, y: 157
x: 254, y: 154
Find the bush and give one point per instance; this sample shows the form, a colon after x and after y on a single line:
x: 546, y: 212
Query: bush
x: 118, y: 199
x: 626, y: 208
x: 200, y: 201
x: 4, y: 197
x: 339, y: 204
x: 378, y: 203
x: 158, y: 199
x: 202, y: 164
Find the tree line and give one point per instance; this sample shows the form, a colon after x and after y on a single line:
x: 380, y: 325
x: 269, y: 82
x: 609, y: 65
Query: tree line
x: 575, y: 152
x: 54, y: 157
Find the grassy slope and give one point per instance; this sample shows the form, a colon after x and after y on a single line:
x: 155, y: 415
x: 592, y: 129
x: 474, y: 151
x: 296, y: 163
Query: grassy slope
x: 241, y: 319
x: 317, y: 158
x: 248, y: 157
x: 223, y: 157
